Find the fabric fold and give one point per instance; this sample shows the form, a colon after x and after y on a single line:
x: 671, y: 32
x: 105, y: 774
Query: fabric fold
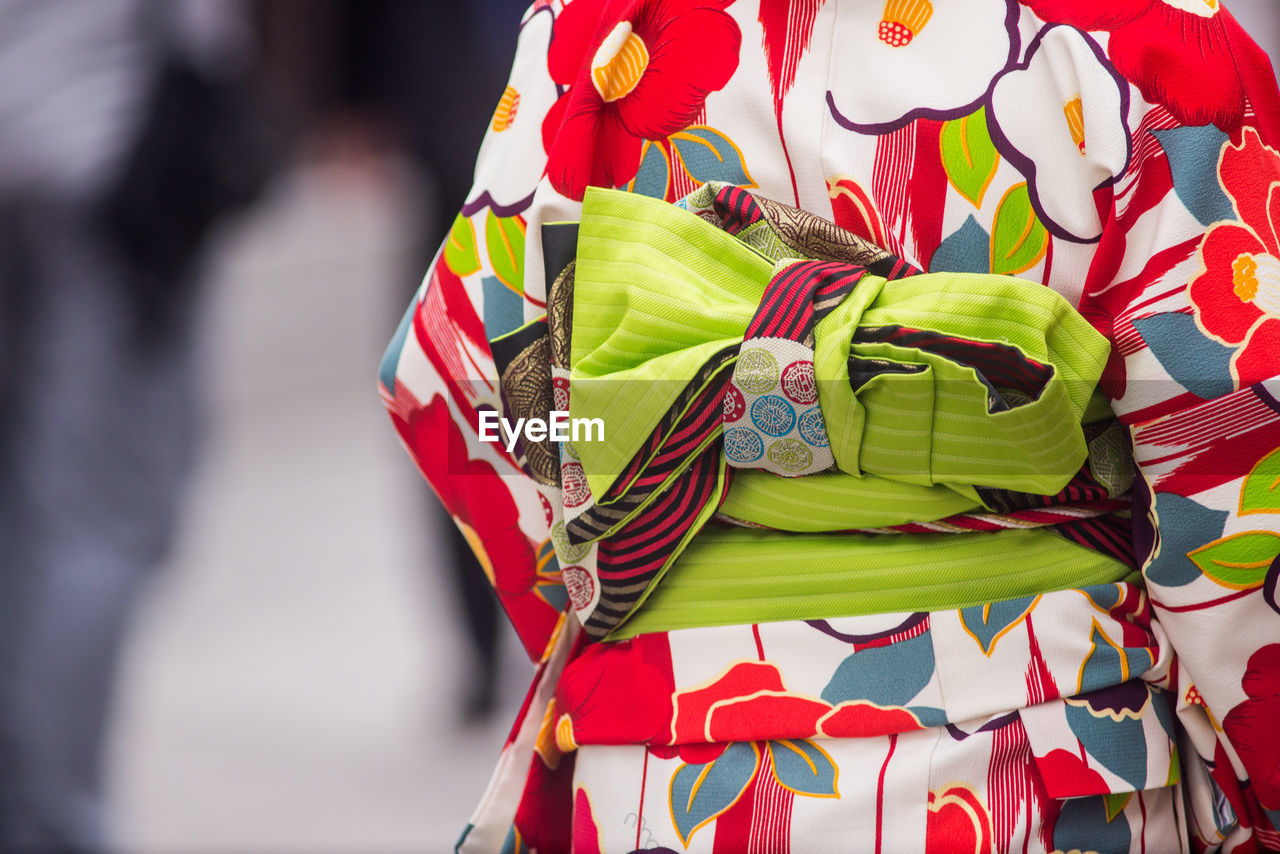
x: 730, y: 337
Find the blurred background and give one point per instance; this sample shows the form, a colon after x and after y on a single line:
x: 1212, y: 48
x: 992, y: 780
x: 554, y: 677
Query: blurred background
x: 219, y: 574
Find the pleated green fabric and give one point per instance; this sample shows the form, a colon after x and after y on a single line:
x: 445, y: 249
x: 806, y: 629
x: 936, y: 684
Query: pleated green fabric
x: 658, y: 292
x: 917, y: 427
x: 731, y: 576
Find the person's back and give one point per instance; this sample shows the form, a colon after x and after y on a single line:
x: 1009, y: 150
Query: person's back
x: 782, y: 683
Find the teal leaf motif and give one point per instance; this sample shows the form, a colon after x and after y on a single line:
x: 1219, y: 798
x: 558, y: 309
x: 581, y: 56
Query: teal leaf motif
x: 1184, y: 527
x: 1103, y: 596
x: 966, y: 250
x: 699, y: 793
x: 1193, y: 164
x: 555, y: 594
x: 1109, y: 664
x: 1082, y: 826
x: 803, y: 768
x: 708, y: 155
x: 654, y: 174
x: 391, y: 358
x: 1119, y: 745
x: 1199, y: 364
x: 503, y: 308
x: 887, y: 676
x: 987, y: 623
x: 510, y: 845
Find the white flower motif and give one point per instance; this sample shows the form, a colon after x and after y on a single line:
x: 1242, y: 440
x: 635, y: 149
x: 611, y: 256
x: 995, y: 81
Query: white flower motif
x: 511, y: 159
x: 1203, y: 8
x: 1061, y: 118
x: 902, y: 60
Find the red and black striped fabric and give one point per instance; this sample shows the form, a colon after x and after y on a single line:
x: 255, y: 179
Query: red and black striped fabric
x: 799, y: 296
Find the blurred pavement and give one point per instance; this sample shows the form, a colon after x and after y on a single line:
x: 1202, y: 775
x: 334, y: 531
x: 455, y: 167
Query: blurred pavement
x: 290, y: 684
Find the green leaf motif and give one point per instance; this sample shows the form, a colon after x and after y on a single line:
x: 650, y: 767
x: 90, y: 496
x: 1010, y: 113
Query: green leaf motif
x: 709, y: 155
x: 1240, y: 561
x: 1261, y: 493
x: 969, y: 156
x: 1018, y: 238
x: 1175, y: 768
x: 504, y: 241
x: 700, y: 793
x: 1116, y: 802
x: 460, y: 254
x: 804, y: 768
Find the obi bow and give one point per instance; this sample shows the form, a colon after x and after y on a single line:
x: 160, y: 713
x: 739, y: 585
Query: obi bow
x: 753, y: 360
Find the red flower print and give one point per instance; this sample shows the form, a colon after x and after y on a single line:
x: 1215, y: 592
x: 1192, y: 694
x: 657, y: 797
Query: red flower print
x: 544, y: 819
x: 694, y: 754
x: 958, y: 822
x: 586, y: 836
x: 861, y: 719
x: 1067, y: 775
x: 741, y: 680
x: 854, y: 210
x: 1251, y: 726
x: 637, y: 70
x: 617, y: 693
x: 474, y: 495
x: 1189, y: 55
x: 1237, y: 295
x: 481, y: 505
x: 748, y: 702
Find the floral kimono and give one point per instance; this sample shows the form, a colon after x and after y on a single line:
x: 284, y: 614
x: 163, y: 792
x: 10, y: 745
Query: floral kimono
x: 936, y: 348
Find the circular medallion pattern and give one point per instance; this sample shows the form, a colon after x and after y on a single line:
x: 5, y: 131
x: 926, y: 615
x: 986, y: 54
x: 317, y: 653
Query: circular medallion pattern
x: 560, y: 393
x: 773, y: 415
x: 566, y: 551
x: 756, y: 371
x: 813, y: 429
x: 742, y: 445
x: 573, y: 480
x: 580, y: 585
x: 799, y: 384
x: 734, y: 406
x: 790, y: 455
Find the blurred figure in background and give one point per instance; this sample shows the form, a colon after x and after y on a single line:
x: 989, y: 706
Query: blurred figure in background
x: 419, y: 78
x: 122, y: 141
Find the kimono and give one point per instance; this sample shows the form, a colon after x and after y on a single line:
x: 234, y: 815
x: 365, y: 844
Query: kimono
x: 950, y: 668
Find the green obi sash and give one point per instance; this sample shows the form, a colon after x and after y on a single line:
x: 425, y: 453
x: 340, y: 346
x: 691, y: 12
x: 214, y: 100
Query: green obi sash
x: 733, y: 344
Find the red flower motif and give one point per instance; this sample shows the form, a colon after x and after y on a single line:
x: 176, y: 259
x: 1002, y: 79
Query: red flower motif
x: 1189, y: 55
x: 1251, y: 726
x: 616, y: 693
x: 586, y: 836
x: 1237, y: 295
x: 624, y: 693
x: 861, y: 719
x: 693, y: 754
x: 1067, y: 775
x: 482, y: 506
x: 748, y: 702
x: 958, y: 822
x: 544, y: 818
x: 854, y: 210
x: 636, y: 71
